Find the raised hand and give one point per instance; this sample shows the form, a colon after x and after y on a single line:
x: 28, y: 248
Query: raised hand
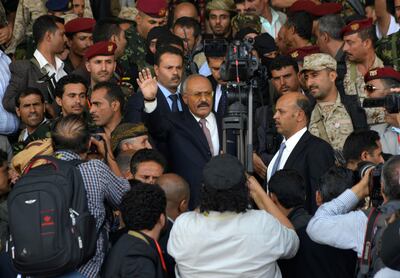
x: 147, y: 84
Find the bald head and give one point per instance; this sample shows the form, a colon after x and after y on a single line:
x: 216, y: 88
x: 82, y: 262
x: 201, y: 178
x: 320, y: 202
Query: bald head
x: 177, y: 192
x: 185, y: 9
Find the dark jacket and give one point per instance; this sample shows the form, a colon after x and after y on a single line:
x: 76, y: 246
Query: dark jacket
x: 133, y: 257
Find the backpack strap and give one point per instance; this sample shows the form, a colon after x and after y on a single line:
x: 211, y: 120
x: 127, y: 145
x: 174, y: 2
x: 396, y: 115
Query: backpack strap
x: 365, y: 261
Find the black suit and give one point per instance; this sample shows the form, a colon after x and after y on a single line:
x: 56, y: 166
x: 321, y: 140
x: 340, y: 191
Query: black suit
x: 187, y: 146
x: 311, y: 157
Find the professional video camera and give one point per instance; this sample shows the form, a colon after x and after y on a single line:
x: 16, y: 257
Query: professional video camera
x: 375, y: 194
x: 390, y: 102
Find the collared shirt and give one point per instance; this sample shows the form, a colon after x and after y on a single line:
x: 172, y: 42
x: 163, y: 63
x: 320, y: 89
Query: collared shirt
x: 167, y: 93
x: 273, y: 27
x: 9, y: 122
x: 24, y: 133
x: 43, y: 63
x: 101, y: 185
x: 393, y: 28
x: 211, y: 124
x: 218, y: 94
x: 290, y: 145
x: 335, y: 223
x: 246, y: 237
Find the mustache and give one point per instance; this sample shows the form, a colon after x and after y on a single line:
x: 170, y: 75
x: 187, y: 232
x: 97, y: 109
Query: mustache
x: 203, y: 104
x: 312, y: 87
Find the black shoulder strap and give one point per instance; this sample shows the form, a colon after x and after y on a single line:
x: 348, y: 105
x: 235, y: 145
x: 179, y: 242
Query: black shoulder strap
x: 365, y: 261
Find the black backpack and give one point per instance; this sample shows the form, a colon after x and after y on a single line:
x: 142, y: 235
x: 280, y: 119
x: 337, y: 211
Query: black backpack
x: 51, y: 229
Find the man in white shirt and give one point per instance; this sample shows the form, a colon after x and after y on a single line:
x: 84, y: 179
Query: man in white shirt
x: 308, y: 154
x: 386, y: 23
x: 226, y: 239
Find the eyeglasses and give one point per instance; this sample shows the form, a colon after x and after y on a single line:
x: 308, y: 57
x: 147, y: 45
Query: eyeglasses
x: 199, y: 95
x: 371, y: 88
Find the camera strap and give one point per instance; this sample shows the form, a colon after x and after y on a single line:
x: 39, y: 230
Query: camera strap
x: 365, y: 261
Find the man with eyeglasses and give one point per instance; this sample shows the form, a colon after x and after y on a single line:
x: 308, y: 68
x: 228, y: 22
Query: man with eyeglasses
x: 379, y: 83
x: 192, y: 136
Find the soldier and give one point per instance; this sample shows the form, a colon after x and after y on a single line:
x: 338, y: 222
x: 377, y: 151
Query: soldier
x: 359, y: 39
x: 329, y: 119
x: 27, y: 12
x: 79, y: 35
x: 378, y: 84
x: 219, y: 15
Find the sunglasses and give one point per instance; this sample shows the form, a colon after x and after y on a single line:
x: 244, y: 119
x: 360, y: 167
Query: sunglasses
x: 371, y: 88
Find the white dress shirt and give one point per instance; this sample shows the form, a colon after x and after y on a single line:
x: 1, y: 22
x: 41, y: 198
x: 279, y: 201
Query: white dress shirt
x: 290, y: 145
x: 230, y: 245
x: 273, y: 27
x: 218, y: 94
x: 43, y: 63
x: 9, y: 122
x: 393, y: 28
x: 211, y: 124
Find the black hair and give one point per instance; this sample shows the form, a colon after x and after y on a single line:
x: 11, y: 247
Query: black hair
x: 235, y: 199
x: 289, y: 187
x: 282, y: 61
x: 43, y: 24
x: 189, y: 23
x: 167, y: 49
x: 169, y: 40
x: 359, y: 141
x: 391, y: 178
x: 28, y: 91
x: 302, y: 23
x: 142, y: 206
x: 71, y: 133
x: 368, y: 33
x: 334, y: 182
x: 3, y: 158
x: 69, y: 79
x: 390, y: 83
x: 114, y: 93
x: 105, y: 29
x: 145, y: 155
x: 304, y: 104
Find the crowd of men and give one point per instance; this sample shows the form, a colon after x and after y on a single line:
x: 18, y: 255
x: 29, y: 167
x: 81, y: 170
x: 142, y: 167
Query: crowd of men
x: 134, y: 91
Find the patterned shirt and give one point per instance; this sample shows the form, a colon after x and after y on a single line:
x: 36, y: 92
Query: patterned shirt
x: 101, y: 185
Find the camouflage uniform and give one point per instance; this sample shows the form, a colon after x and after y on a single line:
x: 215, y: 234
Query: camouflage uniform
x: 331, y: 122
x: 27, y: 12
x: 354, y: 85
x: 388, y: 49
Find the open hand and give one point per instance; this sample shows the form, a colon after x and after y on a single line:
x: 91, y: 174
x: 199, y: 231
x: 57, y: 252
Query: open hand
x: 147, y: 84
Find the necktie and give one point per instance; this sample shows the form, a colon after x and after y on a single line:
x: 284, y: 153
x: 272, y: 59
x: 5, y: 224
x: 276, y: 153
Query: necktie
x: 174, y: 98
x: 207, y: 133
x: 278, y: 159
x: 222, y: 102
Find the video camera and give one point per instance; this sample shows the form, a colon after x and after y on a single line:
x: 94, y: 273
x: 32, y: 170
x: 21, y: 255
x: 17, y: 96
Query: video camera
x: 375, y: 195
x: 390, y: 102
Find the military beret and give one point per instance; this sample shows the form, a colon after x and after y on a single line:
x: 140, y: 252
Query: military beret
x: 105, y: 48
x: 299, y: 53
x: 57, y: 5
x: 223, y: 172
x: 319, y: 61
x: 315, y: 9
x: 225, y: 5
x: 126, y: 131
x: 382, y: 73
x: 302, y: 6
x: 356, y: 26
x: 153, y: 8
x: 80, y: 24
x: 391, y: 245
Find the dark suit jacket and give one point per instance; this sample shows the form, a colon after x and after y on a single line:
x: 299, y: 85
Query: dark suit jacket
x: 24, y: 74
x: 187, y: 146
x: 311, y: 157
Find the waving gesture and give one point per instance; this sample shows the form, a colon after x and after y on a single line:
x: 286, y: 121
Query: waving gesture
x: 147, y: 84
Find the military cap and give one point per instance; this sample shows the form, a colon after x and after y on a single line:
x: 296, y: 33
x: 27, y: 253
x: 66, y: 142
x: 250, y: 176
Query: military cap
x: 223, y: 172
x: 299, y: 53
x: 319, y: 61
x: 105, y: 48
x: 128, y: 13
x: 225, y: 5
x: 126, y: 131
x: 382, y: 73
x: 57, y: 5
x: 356, y: 26
x: 327, y: 8
x: 307, y: 6
x: 240, y: 22
x: 315, y: 9
x: 153, y: 8
x: 80, y: 24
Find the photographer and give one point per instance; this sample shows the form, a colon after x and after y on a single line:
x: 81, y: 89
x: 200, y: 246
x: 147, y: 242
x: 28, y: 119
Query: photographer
x: 335, y: 223
x: 378, y: 84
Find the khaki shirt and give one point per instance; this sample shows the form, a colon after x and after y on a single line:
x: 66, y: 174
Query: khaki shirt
x: 331, y: 121
x: 354, y: 85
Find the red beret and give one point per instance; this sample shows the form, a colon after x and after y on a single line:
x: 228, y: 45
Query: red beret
x: 153, y: 8
x: 382, y: 73
x: 80, y: 24
x: 356, y: 26
x: 104, y: 48
x: 299, y: 53
x: 302, y: 6
x: 327, y: 8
